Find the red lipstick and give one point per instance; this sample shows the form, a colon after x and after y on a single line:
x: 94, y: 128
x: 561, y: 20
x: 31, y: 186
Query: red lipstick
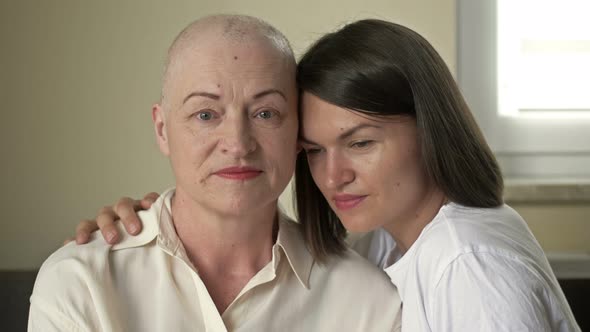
x: 238, y: 173
x: 347, y: 202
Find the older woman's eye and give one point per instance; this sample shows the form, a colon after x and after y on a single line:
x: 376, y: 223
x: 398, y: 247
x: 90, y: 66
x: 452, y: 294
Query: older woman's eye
x: 265, y: 114
x: 267, y: 117
x: 205, y: 115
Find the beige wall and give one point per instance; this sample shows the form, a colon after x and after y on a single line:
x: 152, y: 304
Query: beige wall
x: 77, y: 79
x: 559, y: 227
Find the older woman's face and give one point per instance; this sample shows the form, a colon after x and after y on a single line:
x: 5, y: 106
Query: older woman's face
x: 369, y: 169
x: 230, y: 124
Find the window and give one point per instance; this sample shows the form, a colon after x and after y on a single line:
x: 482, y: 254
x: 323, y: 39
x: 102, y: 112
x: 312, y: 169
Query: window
x: 524, y: 67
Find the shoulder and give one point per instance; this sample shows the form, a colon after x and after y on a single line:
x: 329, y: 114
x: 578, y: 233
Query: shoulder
x: 495, y: 270
x: 72, y: 259
x: 502, y: 214
x: 476, y: 225
x: 459, y: 230
x: 77, y: 279
x: 478, y: 237
x: 352, y: 279
x: 354, y: 273
x: 95, y: 254
x: 70, y: 264
x: 499, y: 292
x: 75, y: 268
x: 62, y: 290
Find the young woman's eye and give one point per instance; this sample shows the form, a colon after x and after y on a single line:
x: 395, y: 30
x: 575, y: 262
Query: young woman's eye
x: 361, y: 144
x: 313, y: 150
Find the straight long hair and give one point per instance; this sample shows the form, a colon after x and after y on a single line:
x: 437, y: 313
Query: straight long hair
x: 382, y: 69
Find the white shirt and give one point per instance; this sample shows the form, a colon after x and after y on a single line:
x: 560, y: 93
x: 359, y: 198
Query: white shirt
x: 147, y: 283
x: 473, y: 270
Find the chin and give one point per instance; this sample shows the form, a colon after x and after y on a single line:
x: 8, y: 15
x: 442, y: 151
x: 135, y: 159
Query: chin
x: 357, y: 224
x: 239, y: 205
x: 249, y: 202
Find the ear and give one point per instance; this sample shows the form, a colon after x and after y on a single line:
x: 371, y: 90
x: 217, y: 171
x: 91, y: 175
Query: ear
x: 159, y: 119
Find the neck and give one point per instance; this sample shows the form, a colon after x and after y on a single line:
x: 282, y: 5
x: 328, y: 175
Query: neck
x: 243, y: 240
x: 227, y: 249
x: 406, y: 230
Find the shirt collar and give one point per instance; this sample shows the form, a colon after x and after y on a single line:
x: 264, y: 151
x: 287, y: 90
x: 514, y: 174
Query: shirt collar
x: 290, y: 240
x: 157, y: 223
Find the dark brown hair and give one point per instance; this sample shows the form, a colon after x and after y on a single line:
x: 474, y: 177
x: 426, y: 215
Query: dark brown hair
x: 381, y: 69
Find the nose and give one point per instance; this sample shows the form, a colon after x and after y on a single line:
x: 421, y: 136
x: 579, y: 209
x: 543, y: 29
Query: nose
x: 236, y: 137
x: 339, y: 173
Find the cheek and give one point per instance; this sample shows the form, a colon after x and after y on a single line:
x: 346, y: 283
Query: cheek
x: 316, y: 169
x: 386, y: 169
x: 406, y: 174
x: 189, y: 147
x: 278, y: 146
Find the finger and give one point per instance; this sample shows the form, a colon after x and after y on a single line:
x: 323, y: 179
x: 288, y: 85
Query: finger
x: 83, y: 231
x: 149, y: 199
x: 153, y: 196
x: 125, y: 209
x: 68, y: 240
x: 106, y: 221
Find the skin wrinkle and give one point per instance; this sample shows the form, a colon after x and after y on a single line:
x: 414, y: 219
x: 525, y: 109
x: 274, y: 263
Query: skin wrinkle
x: 242, y: 73
x: 238, y: 30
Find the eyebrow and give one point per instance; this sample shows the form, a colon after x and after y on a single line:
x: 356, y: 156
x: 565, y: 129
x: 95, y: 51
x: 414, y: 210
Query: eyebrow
x: 349, y: 132
x: 269, y: 92
x: 216, y: 97
x: 201, y: 94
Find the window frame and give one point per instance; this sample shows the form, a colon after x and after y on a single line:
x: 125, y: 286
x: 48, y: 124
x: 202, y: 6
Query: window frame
x: 535, y: 148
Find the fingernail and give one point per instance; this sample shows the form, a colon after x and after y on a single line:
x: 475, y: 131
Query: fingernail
x: 81, y: 238
x: 111, y: 236
x: 133, y: 228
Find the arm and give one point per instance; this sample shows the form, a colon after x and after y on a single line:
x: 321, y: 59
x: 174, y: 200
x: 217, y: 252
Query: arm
x: 125, y: 209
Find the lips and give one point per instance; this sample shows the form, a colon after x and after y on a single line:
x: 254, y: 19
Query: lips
x: 347, y: 201
x: 238, y: 173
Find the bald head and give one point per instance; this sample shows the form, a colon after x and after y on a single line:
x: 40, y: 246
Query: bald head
x: 230, y: 29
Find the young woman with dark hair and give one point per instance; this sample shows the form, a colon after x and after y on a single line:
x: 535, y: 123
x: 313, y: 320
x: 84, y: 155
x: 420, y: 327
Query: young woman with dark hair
x: 391, y: 148
x: 390, y: 74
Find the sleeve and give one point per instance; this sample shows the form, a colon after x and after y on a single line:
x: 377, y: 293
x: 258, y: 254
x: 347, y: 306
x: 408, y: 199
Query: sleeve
x: 42, y: 317
x: 61, y: 299
x: 486, y: 292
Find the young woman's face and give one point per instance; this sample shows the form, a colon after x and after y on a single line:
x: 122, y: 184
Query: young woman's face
x: 369, y: 169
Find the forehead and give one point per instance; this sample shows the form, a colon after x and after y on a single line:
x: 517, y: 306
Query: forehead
x: 236, y: 64
x: 323, y: 121
x: 317, y: 114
